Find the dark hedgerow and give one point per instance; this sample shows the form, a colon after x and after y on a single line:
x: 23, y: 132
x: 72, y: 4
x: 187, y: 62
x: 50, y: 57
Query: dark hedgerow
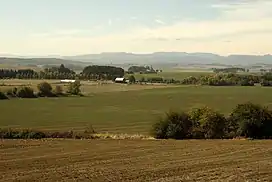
x: 251, y: 120
x: 3, y: 96
x: 21, y: 134
x: 208, y: 123
x: 26, y: 92
x: 246, y: 120
x: 175, y: 125
x: 45, y: 90
x: 32, y: 134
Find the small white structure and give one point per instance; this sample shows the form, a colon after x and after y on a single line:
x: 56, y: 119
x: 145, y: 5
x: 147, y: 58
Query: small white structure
x: 67, y: 81
x: 120, y: 80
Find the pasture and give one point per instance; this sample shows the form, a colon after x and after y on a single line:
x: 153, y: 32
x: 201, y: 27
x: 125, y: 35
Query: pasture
x: 87, y: 87
x: 176, y: 75
x: 133, y: 160
x: 123, y: 110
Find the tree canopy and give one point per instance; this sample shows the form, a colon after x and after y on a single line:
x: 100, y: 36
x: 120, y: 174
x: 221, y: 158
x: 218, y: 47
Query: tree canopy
x: 103, y: 72
x: 141, y: 69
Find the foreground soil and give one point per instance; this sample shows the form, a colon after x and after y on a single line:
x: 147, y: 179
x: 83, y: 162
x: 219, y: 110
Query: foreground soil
x: 132, y: 160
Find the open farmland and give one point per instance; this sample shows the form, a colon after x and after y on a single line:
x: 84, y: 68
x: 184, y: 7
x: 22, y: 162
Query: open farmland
x: 128, y: 111
x: 176, y: 75
x: 132, y: 160
x: 87, y: 87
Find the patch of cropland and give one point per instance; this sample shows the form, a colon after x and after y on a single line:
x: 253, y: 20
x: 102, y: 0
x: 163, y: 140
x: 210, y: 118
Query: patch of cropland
x: 129, y: 112
x: 176, y: 75
x: 132, y: 160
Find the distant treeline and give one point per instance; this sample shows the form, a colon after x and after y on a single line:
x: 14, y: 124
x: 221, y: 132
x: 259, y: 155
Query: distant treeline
x: 48, y: 73
x: 220, y: 79
x: 142, y: 70
x: 102, y: 72
x: 90, y: 72
x: 229, y: 70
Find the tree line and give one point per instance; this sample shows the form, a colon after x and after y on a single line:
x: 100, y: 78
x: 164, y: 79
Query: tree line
x: 246, y: 120
x: 142, y: 70
x: 44, y: 90
x: 102, y: 72
x: 229, y: 70
x: 220, y: 79
x: 96, y: 72
x: 61, y: 72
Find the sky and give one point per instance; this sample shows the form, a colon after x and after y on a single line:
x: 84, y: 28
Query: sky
x: 73, y: 27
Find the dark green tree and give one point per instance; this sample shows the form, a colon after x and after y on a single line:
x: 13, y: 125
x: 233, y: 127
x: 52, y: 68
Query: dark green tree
x: 175, y: 125
x: 251, y: 120
x: 74, y: 88
x: 25, y: 92
x: 208, y: 123
x: 45, y: 89
x: 132, y: 79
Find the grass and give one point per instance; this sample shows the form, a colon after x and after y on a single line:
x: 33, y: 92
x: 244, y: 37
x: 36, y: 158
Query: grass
x: 132, y: 160
x: 178, y: 75
x: 131, y: 111
x: 86, y: 88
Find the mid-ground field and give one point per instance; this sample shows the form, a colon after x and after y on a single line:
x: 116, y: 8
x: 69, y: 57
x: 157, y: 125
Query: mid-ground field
x: 127, y: 160
x: 127, y: 111
x: 176, y: 75
x: 87, y: 87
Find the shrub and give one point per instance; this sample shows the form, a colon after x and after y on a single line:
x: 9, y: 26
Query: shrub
x: 3, y: 96
x: 247, y: 83
x: 207, y: 123
x: 132, y: 79
x: 159, y: 129
x: 174, y: 125
x: 74, y: 88
x: 251, y: 120
x: 45, y: 89
x: 12, y: 92
x: 58, y: 90
x: 31, y: 134
x: 26, y: 92
x: 69, y: 134
x: 89, y: 130
x: 21, y: 134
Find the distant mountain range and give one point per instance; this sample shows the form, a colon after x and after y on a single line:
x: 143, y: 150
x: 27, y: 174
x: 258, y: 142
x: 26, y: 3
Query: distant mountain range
x: 171, y: 57
x: 157, y: 58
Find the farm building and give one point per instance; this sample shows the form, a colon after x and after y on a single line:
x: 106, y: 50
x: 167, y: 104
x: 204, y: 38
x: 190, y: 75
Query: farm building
x: 120, y: 80
x: 67, y: 81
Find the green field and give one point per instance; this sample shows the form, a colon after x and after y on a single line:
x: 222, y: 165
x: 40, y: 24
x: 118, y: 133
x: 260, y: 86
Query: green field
x: 131, y: 109
x: 127, y: 111
x: 132, y: 160
x: 177, y: 75
x: 87, y: 87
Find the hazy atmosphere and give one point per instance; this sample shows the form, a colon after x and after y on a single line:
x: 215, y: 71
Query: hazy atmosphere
x: 71, y: 27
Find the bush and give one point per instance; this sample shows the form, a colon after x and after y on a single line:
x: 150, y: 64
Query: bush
x: 174, y: 125
x: 69, y: 134
x: 26, y: 92
x: 251, y: 120
x: 21, y: 134
x: 132, y: 79
x: 74, y: 88
x: 3, y: 96
x: 207, y: 123
x: 45, y: 89
x: 12, y: 92
x: 58, y: 90
x: 247, y: 83
x: 31, y: 134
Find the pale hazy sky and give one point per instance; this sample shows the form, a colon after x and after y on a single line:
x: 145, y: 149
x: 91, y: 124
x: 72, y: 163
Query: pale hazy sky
x: 69, y: 27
